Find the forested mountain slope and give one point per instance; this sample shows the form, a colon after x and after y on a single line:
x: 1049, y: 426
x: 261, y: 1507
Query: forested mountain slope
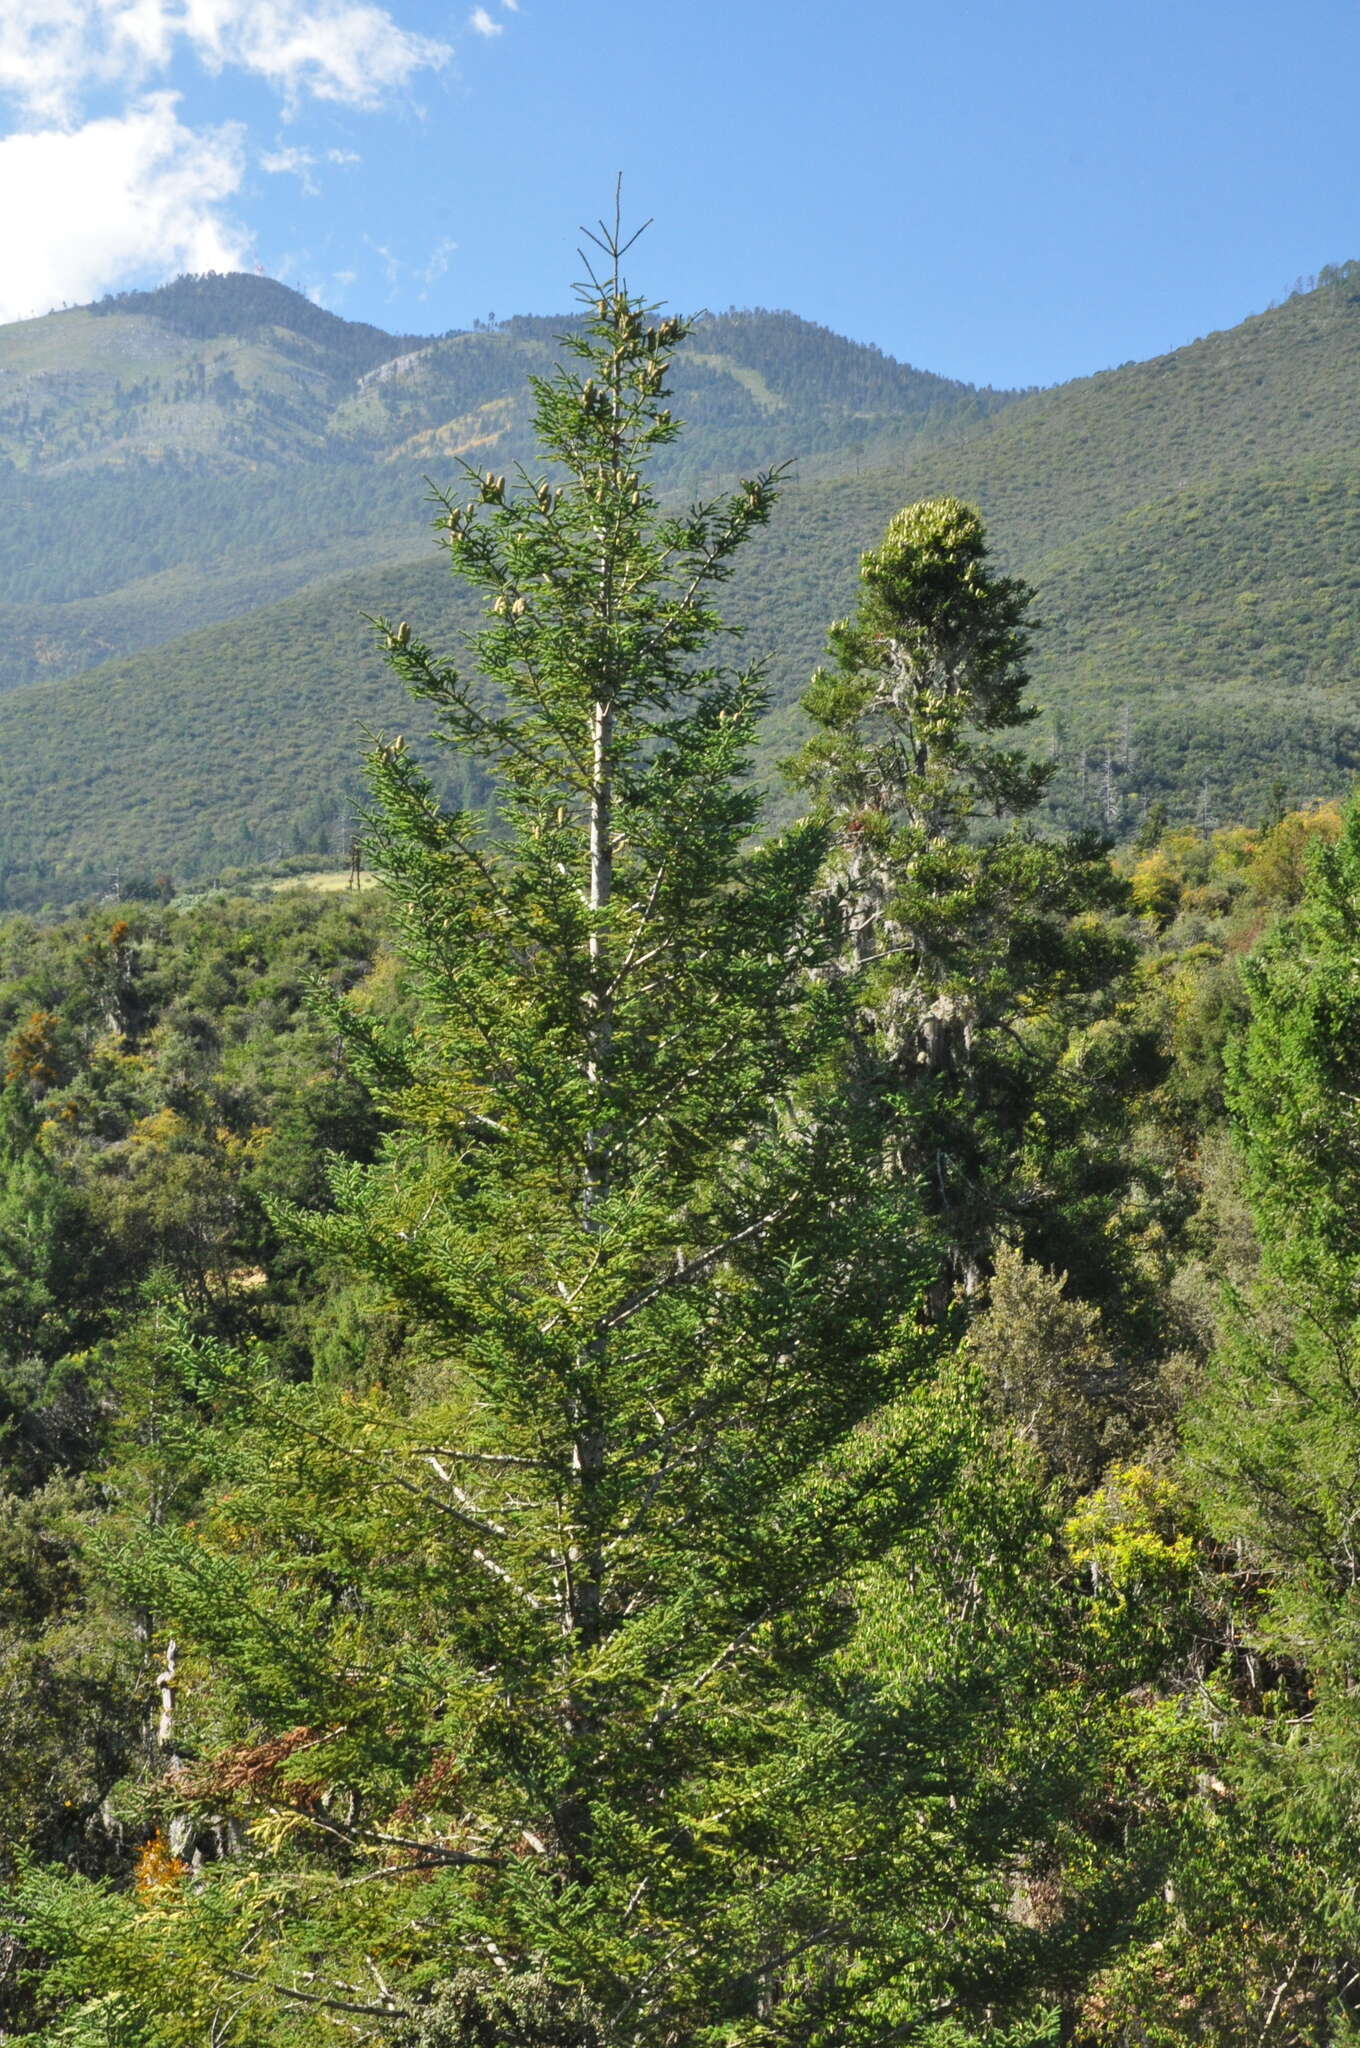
x: 1191, y: 524
x: 174, y: 457
x: 238, y: 372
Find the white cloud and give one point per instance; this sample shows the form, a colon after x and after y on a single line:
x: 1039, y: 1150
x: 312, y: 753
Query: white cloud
x: 47, y: 54
x: 436, y: 264
x: 300, y: 163
x: 92, y: 199
x: 346, y: 50
x: 134, y: 195
x: 354, y: 52
x: 391, y: 262
x: 297, y: 163
x: 396, y: 267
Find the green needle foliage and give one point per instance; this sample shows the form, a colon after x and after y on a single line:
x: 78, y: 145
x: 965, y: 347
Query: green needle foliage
x: 986, y: 968
x: 929, y: 667
x: 530, y: 1690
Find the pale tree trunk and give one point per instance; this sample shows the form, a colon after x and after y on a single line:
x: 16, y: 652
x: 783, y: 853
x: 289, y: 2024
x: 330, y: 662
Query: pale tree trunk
x: 166, y: 1685
x: 585, y: 1569
x: 179, y: 1834
x: 584, y: 1564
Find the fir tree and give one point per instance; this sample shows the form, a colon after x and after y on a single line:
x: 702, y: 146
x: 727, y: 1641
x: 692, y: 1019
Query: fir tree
x: 542, y: 1685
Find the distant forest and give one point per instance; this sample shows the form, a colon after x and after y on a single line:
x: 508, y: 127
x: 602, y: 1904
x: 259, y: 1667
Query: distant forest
x: 210, y: 485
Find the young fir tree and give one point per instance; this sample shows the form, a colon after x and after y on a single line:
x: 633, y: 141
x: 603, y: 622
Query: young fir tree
x: 554, y: 1686
x: 984, y: 967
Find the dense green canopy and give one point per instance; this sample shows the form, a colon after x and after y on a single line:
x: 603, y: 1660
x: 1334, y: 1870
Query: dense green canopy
x: 663, y: 1431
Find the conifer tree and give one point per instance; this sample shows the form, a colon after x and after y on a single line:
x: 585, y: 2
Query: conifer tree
x: 979, y: 956
x: 545, y: 1687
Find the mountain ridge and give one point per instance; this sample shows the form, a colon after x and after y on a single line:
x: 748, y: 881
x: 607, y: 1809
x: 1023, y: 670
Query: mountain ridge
x: 1191, y: 523
x: 135, y: 443
x: 157, y: 370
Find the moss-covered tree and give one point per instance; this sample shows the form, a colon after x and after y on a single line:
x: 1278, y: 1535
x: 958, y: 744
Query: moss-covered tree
x: 984, y: 966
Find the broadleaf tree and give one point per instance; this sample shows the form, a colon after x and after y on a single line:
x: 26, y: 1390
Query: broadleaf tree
x: 1273, y: 1448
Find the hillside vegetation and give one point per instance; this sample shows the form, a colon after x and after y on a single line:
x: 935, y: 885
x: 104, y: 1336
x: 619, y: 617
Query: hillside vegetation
x: 1191, y: 524
x: 658, y: 1430
x: 173, y: 457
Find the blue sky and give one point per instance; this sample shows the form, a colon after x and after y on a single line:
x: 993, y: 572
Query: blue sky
x: 1011, y: 193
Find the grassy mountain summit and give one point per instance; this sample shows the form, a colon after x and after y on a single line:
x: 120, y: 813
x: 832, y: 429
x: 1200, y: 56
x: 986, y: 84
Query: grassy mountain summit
x: 217, y: 304
x: 173, y: 457
x: 217, y: 371
x: 226, y: 372
x: 1191, y: 524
